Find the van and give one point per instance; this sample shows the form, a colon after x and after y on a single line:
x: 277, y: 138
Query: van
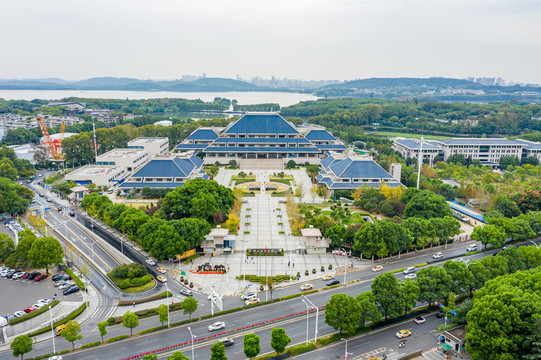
x: 58, y: 330
x: 110, y: 191
x: 472, y: 247
x: 409, y: 270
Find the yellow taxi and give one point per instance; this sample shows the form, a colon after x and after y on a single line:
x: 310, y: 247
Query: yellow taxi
x: 161, y: 278
x: 161, y: 270
x: 252, y: 301
x: 403, y: 333
x: 377, y: 268
x: 306, y: 286
x: 328, y: 277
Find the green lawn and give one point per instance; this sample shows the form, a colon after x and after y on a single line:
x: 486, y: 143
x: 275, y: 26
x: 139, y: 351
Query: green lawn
x: 409, y: 135
x: 355, y: 218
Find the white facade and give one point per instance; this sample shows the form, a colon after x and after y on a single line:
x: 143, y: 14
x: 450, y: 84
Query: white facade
x: 153, y: 146
x: 128, y: 159
x: 99, y: 175
x: 396, y: 171
x: 410, y: 148
x: 486, y: 150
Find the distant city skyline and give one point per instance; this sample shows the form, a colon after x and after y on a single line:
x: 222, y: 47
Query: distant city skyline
x: 299, y: 40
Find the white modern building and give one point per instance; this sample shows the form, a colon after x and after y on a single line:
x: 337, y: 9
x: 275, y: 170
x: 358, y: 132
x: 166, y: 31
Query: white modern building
x: 410, y: 148
x: 100, y: 175
x: 128, y: 159
x: 153, y: 146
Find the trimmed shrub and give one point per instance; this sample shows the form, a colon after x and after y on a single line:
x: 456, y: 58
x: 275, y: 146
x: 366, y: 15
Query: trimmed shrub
x: 89, y: 345
x: 125, y: 284
x: 75, y: 278
x: 71, y: 316
x: 33, y: 313
x: 299, y: 349
x: 117, y: 338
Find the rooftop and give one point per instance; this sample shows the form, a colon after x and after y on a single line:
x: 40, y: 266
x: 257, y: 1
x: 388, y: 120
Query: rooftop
x: 203, y: 134
x: 415, y: 145
x: 480, y: 141
x: 320, y: 135
x: 147, y: 140
x: 261, y: 123
x: 94, y: 169
x: 121, y: 153
x: 311, y: 231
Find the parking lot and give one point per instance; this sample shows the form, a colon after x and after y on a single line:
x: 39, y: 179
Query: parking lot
x: 19, y: 294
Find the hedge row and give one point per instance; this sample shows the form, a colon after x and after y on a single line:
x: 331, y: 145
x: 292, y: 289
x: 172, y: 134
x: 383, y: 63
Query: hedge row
x: 33, y: 314
x: 143, y: 300
x: 415, y: 266
x: 263, y: 279
x: 76, y: 279
x: 89, y: 345
x: 117, y: 338
x: 71, y: 316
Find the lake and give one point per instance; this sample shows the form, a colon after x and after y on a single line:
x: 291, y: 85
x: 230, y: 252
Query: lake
x: 243, y: 98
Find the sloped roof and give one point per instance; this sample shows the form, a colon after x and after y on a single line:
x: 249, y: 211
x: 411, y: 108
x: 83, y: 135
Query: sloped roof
x: 358, y: 169
x: 415, y: 145
x: 191, y: 146
x: 331, y: 147
x: 261, y: 124
x: 262, y: 149
x: 262, y: 140
x: 140, y: 185
x: 481, y: 142
x: 327, y: 161
x: 203, y: 134
x: 319, y: 135
x: 174, y: 167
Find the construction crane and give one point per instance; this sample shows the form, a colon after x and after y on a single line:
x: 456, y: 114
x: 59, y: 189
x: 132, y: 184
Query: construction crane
x: 54, y: 146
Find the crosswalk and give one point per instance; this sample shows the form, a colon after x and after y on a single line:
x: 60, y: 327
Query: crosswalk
x: 378, y: 354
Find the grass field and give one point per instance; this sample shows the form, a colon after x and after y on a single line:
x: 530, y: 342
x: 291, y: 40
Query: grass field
x: 408, y: 135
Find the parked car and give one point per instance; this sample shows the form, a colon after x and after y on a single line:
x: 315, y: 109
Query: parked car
x: 248, y: 295
x: 40, y: 277
x: 420, y: 319
x: 65, y: 286
x: 12, y: 273
x: 17, y: 275
x: 439, y: 314
x: 217, y: 326
x: 186, y: 292
x: 19, y: 313
x: 151, y: 262
x: 57, y: 277
x: 38, y: 305
x: 472, y: 247
x: 507, y: 247
x: 458, y: 259
x: 44, y: 301
x: 56, y: 357
x: 60, y: 283
x: 71, y: 290
x: 33, y: 275
x: 437, y: 255
x: 333, y: 282
x: 29, y: 309
x: 3, y: 321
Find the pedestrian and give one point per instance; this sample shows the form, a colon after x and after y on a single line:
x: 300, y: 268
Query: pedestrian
x: 289, y: 264
x: 293, y: 264
x: 86, y: 290
x: 134, y: 304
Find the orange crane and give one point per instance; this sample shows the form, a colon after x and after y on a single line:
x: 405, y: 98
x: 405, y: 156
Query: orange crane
x: 48, y: 142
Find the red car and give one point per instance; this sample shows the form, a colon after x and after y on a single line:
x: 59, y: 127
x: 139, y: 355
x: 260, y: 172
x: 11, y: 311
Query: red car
x: 29, y: 309
x: 40, y: 277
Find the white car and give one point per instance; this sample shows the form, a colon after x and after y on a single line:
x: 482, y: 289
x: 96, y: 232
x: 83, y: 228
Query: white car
x: 217, y: 326
x: 410, y: 276
x: 17, y: 275
x: 458, y: 259
x: 44, y: 301
x: 437, y: 256
x: 471, y: 247
x: 56, y: 357
x: 19, y: 313
x: 38, y: 305
x: 248, y: 295
x: 3, y: 321
x: 151, y: 262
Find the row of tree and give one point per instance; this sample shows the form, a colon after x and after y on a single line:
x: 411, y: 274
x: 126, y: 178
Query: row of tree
x: 31, y: 251
x: 391, y: 297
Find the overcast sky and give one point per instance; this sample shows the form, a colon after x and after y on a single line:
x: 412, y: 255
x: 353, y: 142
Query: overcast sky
x: 298, y: 39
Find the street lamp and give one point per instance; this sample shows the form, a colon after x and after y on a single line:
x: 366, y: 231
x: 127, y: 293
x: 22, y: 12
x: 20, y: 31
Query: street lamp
x: 307, y: 317
x: 346, y: 351
x: 191, y: 340
x: 167, y: 304
x: 317, y: 314
x: 52, y: 330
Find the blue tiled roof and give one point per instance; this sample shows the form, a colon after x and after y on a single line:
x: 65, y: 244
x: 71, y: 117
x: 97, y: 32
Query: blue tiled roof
x: 360, y: 169
x: 261, y: 149
x: 175, y: 167
x: 348, y: 186
x: 191, y: 146
x: 259, y: 140
x: 529, y: 145
x: 331, y: 147
x: 339, y: 166
x: 414, y: 145
x: 327, y: 161
x: 203, y: 134
x: 318, y: 135
x: 197, y: 161
x: 261, y: 124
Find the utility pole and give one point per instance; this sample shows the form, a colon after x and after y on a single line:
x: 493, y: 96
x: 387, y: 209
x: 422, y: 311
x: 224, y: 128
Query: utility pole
x: 96, y: 144
x: 420, y: 161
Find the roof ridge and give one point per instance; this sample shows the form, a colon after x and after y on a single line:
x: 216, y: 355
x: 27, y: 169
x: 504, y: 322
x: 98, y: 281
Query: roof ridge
x: 178, y: 166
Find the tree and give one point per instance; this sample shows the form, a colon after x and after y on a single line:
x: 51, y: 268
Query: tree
x: 217, y: 351
x: 291, y: 164
x: 102, y: 327
x: 342, y: 312
x: 427, y: 205
x: 489, y: 234
x: 7, y: 247
x: 177, y: 355
x: 387, y: 292
x: 233, y: 163
x: 409, y: 295
x: 45, y: 252
x: 7, y: 170
x: 14, y: 198
x: 506, y: 206
x: 279, y: 339
x: 130, y: 321
x: 368, y: 307
x: 150, y: 357
x: 531, y: 255
x: 163, y: 313
x: 251, y: 345
x: 189, y: 305
x: 71, y: 332
x: 419, y: 230
x: 434, y: 284
x: 503, y: 316
x: 505, y: 161
x: 336, y: 234
x: 462, y: 280
x: 214, y: 170
x: 21, y: 345
x: 232, y: 223
x: 457, y: 159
